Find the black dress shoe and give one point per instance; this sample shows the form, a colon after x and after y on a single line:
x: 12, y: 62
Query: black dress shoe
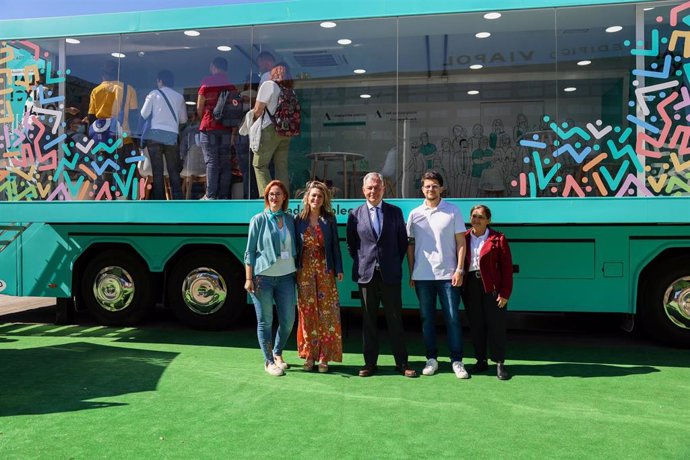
x: 480, y: 366
x: 502, y: 372
x: 368, y: 371
x: 406, y: 370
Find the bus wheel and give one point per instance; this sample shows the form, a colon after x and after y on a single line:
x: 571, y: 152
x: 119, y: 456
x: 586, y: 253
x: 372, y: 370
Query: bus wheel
x: 666, y: 309
x: 205, y: 290
x: 116, y: 288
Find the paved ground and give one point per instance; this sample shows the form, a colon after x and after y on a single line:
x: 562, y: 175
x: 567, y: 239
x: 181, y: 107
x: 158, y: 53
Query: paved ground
x: 9, y: 304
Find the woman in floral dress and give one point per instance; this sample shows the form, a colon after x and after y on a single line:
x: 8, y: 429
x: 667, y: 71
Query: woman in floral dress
x: 319, y: 336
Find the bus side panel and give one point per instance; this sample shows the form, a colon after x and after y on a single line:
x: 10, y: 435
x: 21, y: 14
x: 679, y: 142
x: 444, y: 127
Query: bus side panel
x: 46, y: 262
x: 10, y: 262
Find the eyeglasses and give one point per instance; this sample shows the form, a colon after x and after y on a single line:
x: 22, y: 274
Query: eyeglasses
x: 478, y: 216
x: 275, y: 194
x: 431, y: 187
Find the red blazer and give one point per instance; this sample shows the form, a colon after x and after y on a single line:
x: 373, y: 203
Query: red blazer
x: 495, y: 263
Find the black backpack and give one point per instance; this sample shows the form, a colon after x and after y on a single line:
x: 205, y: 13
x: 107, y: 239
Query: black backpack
x: 228, y: 110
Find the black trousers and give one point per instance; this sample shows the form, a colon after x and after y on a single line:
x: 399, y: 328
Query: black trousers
x: 487, y: 321
x: 372, y: 294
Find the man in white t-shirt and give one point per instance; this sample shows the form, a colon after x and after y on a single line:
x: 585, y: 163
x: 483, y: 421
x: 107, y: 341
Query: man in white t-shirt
x: 436, y: 254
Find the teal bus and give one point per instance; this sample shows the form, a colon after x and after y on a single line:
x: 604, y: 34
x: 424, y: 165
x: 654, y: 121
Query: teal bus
x: 569, y: 118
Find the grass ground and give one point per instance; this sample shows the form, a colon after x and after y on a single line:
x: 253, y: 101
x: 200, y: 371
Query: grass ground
x: 83, y: 392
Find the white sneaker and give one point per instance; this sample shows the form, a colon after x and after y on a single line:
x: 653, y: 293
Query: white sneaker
x: 459, y: 369
x: 280, y: 362
x: 430, y: 367
x: 274, y: 369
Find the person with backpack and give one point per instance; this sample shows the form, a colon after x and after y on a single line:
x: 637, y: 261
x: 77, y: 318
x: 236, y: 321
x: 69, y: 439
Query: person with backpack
x: 279, y: 110
x: 215, y: 137
x: 167, y: 110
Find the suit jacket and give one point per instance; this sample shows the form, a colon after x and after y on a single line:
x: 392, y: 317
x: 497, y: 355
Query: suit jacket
x: 495, y: 263
x: 366, y: 250
x: 329, y: 230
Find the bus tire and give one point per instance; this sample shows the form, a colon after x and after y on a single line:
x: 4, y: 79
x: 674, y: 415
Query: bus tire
x: 116, y: 288
x: 665, y: 311
x: 205, y: 290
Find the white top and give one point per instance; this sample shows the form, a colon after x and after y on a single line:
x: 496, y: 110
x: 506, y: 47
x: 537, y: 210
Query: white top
x: 162, y: 117
x: 268, y: 94
x: 476, y: 244
x: 435, y: 249
x: 265, y: 76
x: 282, y: 266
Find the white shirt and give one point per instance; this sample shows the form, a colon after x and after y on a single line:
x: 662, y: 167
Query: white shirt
x: 435, y: 248
x: 162, y: 116
x: 268, y: 94
x: 282, y: 266
x: 476, y: 244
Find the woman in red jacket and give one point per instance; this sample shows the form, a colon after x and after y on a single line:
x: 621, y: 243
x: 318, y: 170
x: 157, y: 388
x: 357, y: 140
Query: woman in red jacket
x: 487, y: 288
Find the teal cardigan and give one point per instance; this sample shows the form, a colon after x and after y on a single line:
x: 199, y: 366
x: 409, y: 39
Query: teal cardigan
x: 263, y: 241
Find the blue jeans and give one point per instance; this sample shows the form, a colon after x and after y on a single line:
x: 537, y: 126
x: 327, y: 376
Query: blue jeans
x: 216, y: 148
x: 268, y: 289
x: 449, y: 296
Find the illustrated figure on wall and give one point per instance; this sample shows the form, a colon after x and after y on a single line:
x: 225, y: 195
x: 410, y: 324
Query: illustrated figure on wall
x: 481, y: 160
x: 461, y: 170
x: 414, y: 169
x: 459, y: 134
x: 445, y: 158
x: 497, y: 131
x: 477, y: 134
x: 506, y: 154
x: 521, y: 127
x: 427, y: 149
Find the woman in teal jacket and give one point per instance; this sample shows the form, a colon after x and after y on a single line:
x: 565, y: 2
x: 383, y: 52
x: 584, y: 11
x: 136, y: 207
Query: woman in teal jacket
x: 270, y: 274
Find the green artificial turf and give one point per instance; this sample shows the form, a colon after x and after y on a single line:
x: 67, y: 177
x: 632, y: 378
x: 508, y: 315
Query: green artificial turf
x: 91, y: 392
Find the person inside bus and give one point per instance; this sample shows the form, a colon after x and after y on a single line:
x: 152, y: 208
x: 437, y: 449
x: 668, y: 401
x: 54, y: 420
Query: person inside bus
x: 106, y: 102
x: 266, y: 62
x: 215, y: 138
x: 270, y: 274
x: 272, y: 147
x: 319, y: 335
x: 377, y: 243
x: 486, y: 290
x: 167, y: 110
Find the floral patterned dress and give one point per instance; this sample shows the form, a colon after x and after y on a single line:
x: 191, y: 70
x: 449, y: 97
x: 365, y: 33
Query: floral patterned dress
x: 318, y: 333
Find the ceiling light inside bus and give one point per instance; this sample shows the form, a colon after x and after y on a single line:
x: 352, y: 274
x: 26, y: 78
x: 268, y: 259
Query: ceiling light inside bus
x: 483, y: 34
x: 473, y: 92
x: 359, y: 71
x: 190, y: 103
x: 328, y: 24
x: 365, y: 96
x: 72, y: 41
x: 585, y: 62
x: 224, y: 48
x: 650, y: 8
x: 192, y: 33
x: 118, y: 55
x: 492, y: 15
x: 476, y: 66
x: 569, y: 89
x: 614, y: 29
x: 344, y: 41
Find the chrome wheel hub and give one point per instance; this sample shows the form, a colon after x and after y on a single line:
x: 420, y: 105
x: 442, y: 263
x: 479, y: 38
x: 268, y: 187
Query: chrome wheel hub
x: 113, y: 288
x: 204, y: 291
x: 677, y: 302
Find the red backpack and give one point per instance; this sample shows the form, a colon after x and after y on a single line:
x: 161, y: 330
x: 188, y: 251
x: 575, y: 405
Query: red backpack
x: 287, y: 116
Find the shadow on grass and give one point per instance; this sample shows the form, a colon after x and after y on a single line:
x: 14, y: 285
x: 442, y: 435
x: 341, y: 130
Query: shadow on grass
x: 64, y: 378
x: 574, y: 370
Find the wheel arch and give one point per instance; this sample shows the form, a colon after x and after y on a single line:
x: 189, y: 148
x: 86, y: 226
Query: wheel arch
x: 646, y: 267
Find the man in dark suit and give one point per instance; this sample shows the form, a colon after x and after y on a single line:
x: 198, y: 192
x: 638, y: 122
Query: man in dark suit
x: 377, y: 242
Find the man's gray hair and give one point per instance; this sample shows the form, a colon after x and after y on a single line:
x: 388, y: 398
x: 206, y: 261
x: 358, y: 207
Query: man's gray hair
x: 372, y: 176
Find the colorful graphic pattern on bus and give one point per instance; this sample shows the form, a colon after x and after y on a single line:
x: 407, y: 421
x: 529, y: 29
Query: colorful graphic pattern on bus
x: 645, y: 156
x: 598, y: 160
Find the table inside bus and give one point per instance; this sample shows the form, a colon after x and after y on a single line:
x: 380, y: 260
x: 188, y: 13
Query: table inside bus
x: 343, y: 157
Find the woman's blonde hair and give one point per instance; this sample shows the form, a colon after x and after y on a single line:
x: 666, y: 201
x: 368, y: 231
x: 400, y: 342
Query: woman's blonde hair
x: 326, y: 209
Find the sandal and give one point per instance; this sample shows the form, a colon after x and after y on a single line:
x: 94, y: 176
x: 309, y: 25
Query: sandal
x: 323, y: 367
x: 308, y: 365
